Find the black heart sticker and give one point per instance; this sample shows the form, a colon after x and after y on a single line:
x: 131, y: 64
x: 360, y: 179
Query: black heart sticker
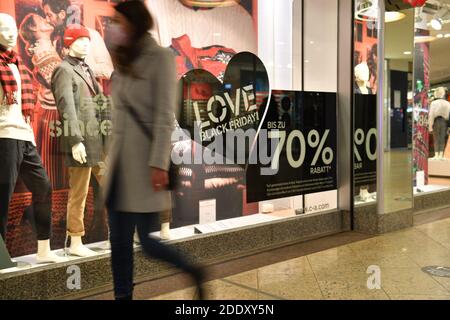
x: 219, y: 115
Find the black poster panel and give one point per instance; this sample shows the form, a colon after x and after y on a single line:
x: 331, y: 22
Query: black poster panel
x: 298, y: 136
x: 365, y: 138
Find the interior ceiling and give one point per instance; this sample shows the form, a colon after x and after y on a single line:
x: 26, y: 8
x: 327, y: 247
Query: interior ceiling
x: 399, y: 38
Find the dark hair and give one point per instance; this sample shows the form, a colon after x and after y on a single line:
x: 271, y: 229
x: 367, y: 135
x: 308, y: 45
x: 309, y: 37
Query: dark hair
x: 57, y: 5
x: 141, y: 20
x: 286, y: 103
x: 371, y: 59
x: 27, y: 28
x: 137, y: 15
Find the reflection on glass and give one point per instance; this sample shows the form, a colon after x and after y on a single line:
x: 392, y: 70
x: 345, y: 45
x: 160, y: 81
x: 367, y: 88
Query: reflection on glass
x: 431, y: 96
x: 397, y: 175
x: 365, y: 61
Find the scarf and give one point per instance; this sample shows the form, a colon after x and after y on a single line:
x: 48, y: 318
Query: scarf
x: 9, y: 84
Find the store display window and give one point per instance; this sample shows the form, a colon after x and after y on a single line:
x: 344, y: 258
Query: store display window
x: 263, y: 69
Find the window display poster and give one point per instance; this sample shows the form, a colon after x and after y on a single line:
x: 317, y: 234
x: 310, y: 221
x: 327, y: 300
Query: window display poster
x: 298, y: 134
x: 202, y: 38
x: 366, y: 46
x: 206, y: 39
x: 421, y: 106
x: 365, y: 143
x: 40, y: 47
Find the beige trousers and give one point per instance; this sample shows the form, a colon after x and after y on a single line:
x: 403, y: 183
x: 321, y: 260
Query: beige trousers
x: 79, y: 178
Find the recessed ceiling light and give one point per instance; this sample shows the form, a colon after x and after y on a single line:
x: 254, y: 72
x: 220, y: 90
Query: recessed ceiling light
x: 391, y: 16
x: 438, y: 19
x: 440, y: 36
x: 407, y: 52
x: 447, y: 35
x: 436, y: 24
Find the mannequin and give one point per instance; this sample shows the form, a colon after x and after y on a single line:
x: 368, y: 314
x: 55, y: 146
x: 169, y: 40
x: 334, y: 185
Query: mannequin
x: 18, y: 153
x: 74, y: 88
x: 438, y: 117
x: 362, y: 76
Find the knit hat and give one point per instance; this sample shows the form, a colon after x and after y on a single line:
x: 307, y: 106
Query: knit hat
x: 74, y: 32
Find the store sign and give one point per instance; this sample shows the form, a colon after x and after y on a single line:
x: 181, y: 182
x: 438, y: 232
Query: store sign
x: 365, y: 142
x: 302, y: 146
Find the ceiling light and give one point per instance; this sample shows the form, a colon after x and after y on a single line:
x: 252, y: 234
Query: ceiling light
x: 447, y: 35
x: 440, y: 36
x: 407, y: 52
x: 437, y: 21
x: 421, y: 39
x: 210, y: 3
x: 391, y: 16
x: 366, y: 11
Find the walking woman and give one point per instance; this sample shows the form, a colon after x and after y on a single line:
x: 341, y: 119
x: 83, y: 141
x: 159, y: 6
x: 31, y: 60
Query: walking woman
x: 144, y: 98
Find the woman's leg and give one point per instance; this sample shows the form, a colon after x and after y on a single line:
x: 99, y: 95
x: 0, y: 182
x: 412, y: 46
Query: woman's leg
x: 121, y: 226
x: 154, y: 248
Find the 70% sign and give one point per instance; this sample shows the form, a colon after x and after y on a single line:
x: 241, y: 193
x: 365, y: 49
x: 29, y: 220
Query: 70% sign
x: 361, y: 139
x: 313, y: 141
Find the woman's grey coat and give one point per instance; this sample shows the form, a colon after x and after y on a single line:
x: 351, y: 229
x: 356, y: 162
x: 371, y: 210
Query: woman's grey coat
x: 152, y: 94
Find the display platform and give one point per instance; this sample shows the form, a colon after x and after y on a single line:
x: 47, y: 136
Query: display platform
x: 50, y: 281
x: 429, y: 188
x: 234, y: 223
x: 439, y: 167
x: 183, y: 233
x: 367, y: 199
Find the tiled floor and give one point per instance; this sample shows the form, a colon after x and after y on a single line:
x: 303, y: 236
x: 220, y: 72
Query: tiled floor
x: 341, y: 272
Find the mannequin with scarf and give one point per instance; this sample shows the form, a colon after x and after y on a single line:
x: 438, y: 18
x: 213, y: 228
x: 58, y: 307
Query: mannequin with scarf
x: 74, y: 88
x: 18, y: 153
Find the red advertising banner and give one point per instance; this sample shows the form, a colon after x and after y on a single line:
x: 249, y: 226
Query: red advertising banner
x: 200, y: 37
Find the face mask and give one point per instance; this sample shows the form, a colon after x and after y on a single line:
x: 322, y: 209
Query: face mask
x: 118, y: 36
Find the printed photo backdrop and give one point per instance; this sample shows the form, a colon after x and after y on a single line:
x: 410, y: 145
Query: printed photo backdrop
x: 201, y: 38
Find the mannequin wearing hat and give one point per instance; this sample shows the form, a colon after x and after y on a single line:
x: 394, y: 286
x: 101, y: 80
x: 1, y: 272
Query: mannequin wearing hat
x: 18, y: 153
x: 74, y: 88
